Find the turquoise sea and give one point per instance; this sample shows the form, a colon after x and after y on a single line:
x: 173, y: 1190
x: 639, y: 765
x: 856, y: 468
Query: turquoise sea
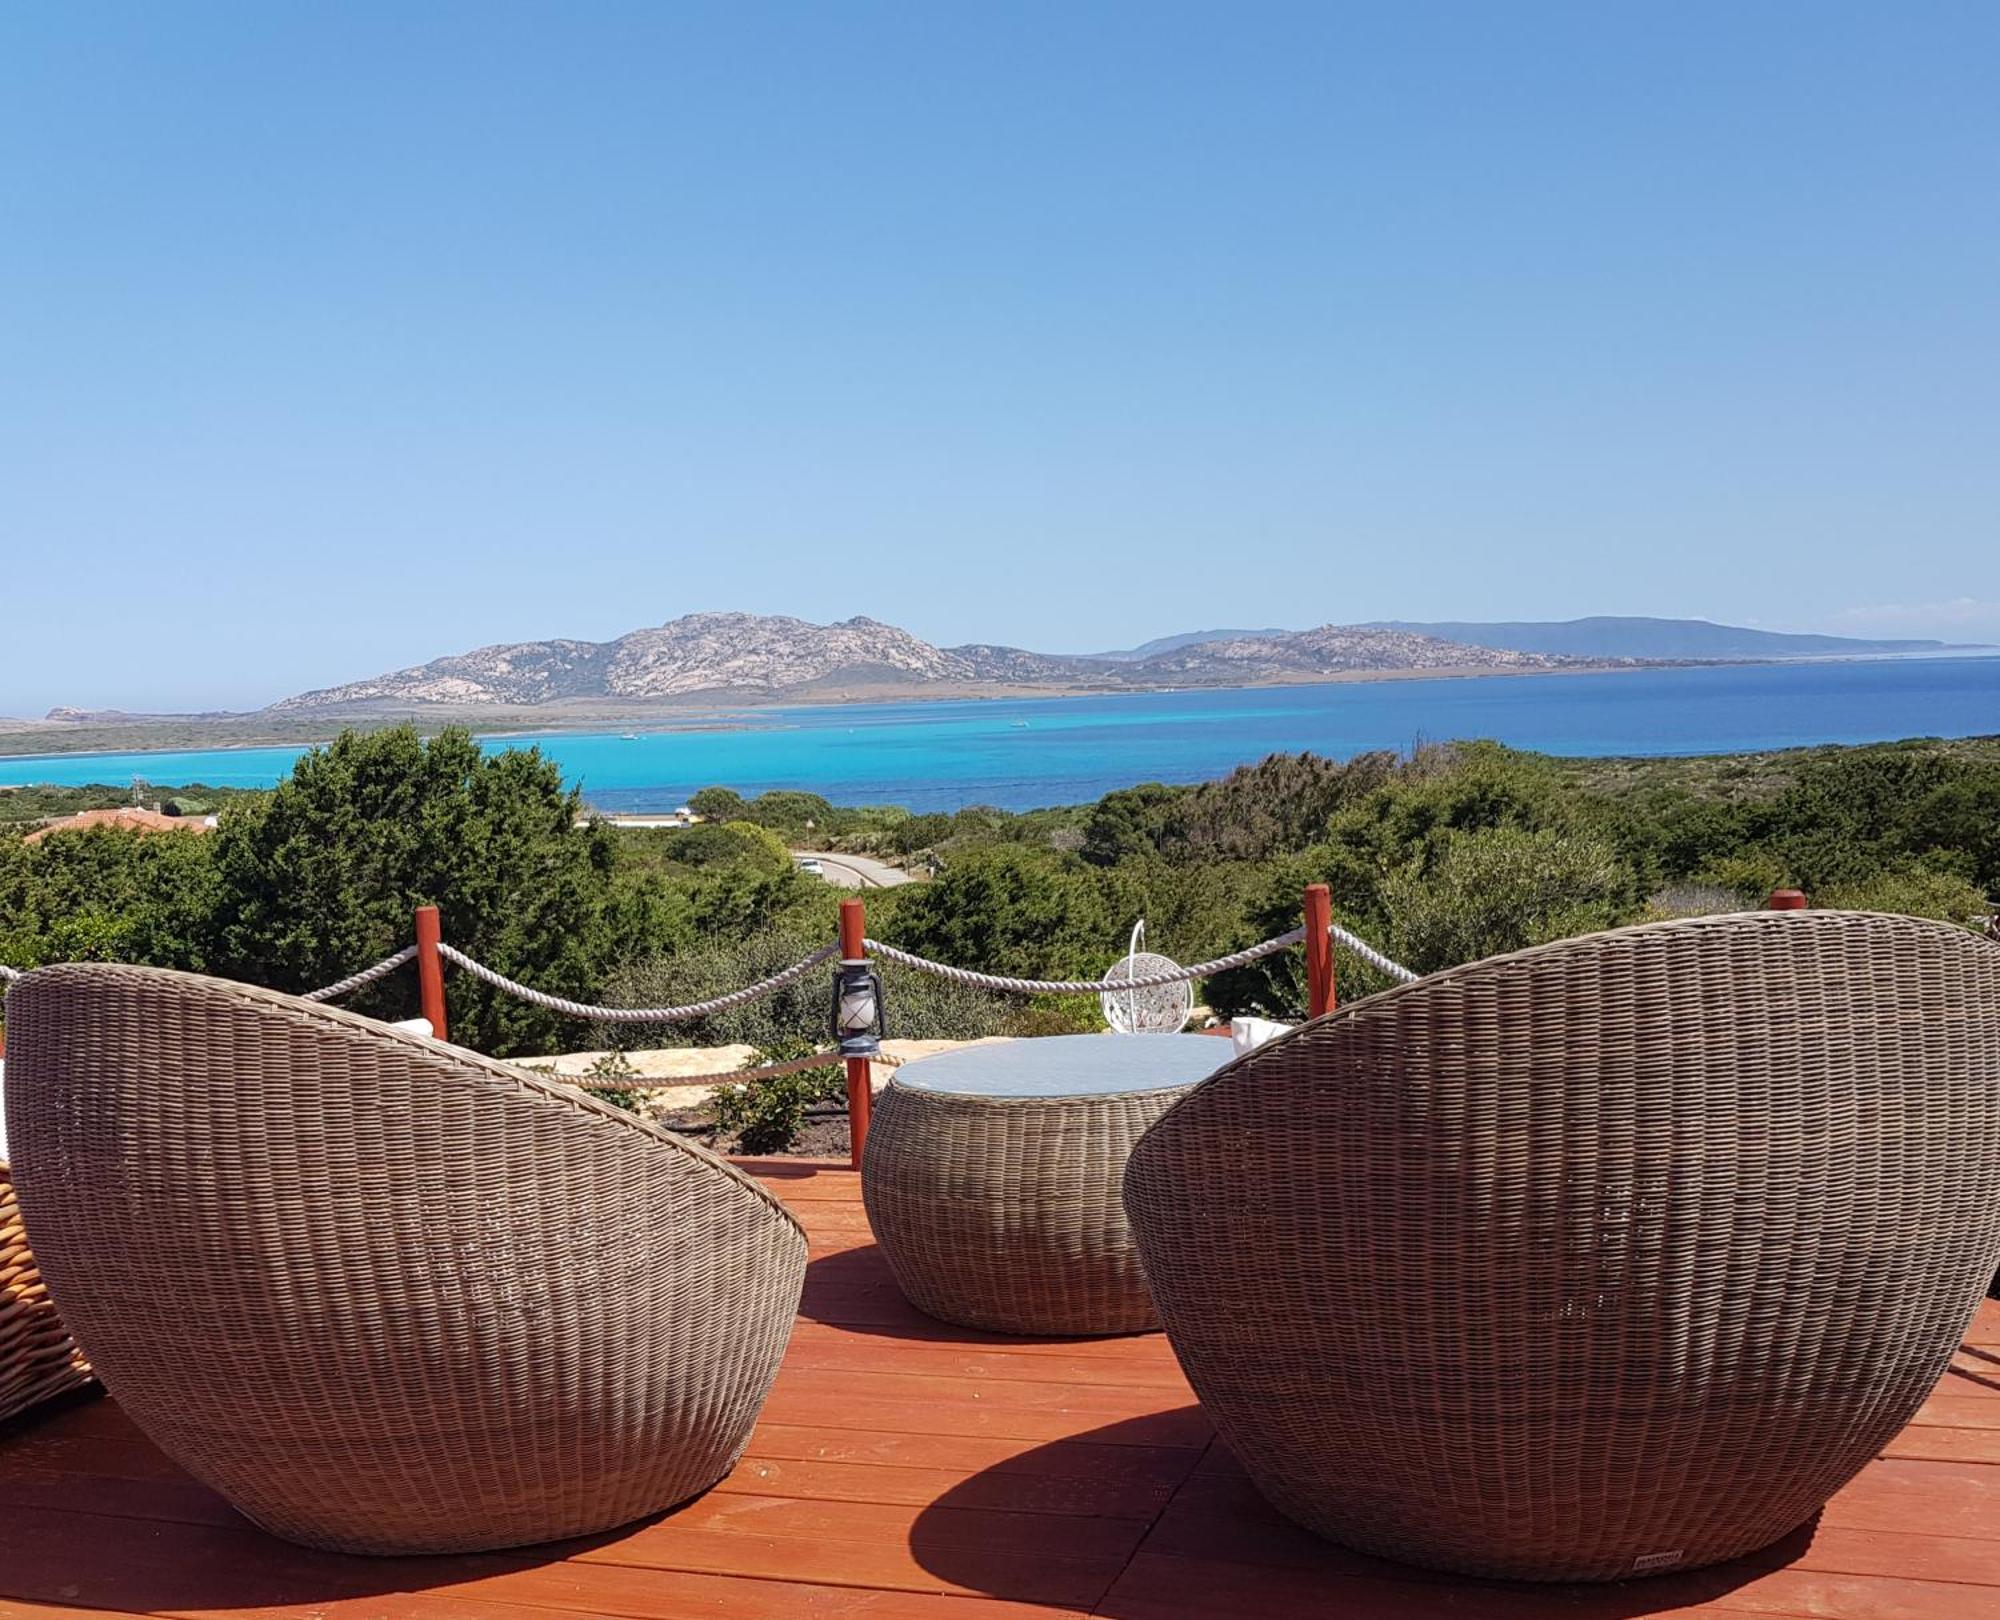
x: 939, y: 756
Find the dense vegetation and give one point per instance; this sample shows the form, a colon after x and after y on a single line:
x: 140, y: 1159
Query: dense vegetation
x: 1448, y: 855
x: 42, y: 802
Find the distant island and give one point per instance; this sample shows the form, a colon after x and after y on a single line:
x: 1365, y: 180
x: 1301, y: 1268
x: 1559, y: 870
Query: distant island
x: 683, y: 670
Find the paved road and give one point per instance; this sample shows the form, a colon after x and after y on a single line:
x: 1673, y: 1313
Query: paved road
x: 854, y: 871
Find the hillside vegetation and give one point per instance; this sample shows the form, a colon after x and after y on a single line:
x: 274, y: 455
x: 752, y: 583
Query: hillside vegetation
x: 1451, y: 854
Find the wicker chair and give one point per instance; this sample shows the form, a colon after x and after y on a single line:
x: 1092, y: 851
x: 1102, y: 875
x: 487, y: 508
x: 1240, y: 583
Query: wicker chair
x: 384, y: 1295
x: 1618, y: 1255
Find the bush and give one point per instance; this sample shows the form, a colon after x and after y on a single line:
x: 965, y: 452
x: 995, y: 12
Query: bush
x: 1480, y: 894
x: 1910, y: 890
x: 766, y: 1116
x: 1013, y: 909
x: 612, y: 1067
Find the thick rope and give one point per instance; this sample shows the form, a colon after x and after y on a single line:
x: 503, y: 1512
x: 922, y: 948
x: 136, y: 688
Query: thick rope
x: 888, y: 953
x: 368, y: 975
x: 768, y: 1071
x: 642, y: 1015
x: 1082, y: 987
x: 1374, y: 958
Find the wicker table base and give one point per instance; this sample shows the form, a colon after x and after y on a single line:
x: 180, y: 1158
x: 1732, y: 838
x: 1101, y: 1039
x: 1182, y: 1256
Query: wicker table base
x: 1002, y: 1211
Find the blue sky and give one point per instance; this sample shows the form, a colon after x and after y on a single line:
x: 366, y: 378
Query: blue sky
x: 336, y: 337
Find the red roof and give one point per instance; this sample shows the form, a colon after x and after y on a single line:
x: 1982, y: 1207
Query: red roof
x: 130, y: 817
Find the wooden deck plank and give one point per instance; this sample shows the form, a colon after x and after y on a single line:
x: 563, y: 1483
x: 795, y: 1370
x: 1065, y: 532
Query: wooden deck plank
x: 1071, y: 1459
x: 1157, y: 1586
x: 906, y: 1469
x: 817, y: 1349
x: 917, y: 1487
x: 1946, y: 1445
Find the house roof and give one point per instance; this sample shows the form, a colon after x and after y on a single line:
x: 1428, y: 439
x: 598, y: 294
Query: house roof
x: 130, y: 817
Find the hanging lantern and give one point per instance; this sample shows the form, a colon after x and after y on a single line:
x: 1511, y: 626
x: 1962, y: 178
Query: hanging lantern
x: 857, y: 1010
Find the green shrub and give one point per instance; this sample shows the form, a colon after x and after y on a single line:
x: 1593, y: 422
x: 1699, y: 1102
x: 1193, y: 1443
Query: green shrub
x: 1482, y: 893
x: 612, y: 1066
x: 1912, y: 891
x: 765, y: 1116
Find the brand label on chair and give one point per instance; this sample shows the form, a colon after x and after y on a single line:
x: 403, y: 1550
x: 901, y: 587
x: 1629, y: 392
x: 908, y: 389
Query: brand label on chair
x: 1657, y: 1560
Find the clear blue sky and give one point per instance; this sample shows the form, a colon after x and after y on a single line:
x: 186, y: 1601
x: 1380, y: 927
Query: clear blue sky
x: 335, y: 337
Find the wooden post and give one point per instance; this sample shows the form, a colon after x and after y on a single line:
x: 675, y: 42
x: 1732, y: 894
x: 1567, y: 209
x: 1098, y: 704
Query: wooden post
x: 860, y: 1073
x: 1321, y: 991
x: 430, y: 970
x: 1786, y: 900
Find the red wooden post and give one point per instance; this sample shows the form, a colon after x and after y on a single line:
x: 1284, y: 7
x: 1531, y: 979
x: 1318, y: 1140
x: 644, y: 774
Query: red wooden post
x: 1786, y: 900
x: 430, y: 969
x: 1321, y: 991
x: 860, y: 1073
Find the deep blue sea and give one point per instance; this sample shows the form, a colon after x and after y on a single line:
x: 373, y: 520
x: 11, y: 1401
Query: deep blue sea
x: 940, y: 756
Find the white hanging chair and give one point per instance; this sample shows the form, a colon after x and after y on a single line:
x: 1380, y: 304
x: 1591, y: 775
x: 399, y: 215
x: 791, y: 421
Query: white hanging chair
x: 1161, y: 1009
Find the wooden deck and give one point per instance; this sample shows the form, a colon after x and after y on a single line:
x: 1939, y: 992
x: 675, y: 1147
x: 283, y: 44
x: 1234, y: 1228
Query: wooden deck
x: 906, y: 1469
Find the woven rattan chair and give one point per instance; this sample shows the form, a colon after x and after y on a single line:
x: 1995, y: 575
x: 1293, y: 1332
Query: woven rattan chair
x: 385, y: 1295
x: 1618, y: 1255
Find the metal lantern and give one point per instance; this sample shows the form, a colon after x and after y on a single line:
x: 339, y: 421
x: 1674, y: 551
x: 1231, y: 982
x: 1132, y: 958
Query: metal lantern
x: 857, y: 1009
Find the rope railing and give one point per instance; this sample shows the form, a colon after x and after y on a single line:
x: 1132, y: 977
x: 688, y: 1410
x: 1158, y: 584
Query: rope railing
x: 1374, y: 958
x: 367, y: 976
x: 888, y: 953
x: 1082, y: 987
x: 640, y: 1015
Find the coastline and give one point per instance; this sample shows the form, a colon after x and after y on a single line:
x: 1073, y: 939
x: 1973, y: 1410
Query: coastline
x: 938, y: 750
x: 253, y: 730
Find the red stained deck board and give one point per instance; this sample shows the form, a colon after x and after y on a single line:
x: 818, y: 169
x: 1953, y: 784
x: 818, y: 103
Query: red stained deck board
x: 906, y: 1469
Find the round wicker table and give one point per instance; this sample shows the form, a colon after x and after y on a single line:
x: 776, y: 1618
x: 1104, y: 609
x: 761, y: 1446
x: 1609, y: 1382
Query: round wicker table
x: 992, y: 1177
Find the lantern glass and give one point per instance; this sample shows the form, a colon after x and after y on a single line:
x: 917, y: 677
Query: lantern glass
x: 857, y: 1010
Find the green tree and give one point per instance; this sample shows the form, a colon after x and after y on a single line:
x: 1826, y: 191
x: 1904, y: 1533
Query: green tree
x: 1501, y: 889
x: 1962, y: 818
x: 321, y: 877
x: 1014, y: 909
x: 1910, y: 889
x: 1129, y: 822
x: 718, y: 804
x: 107, y: 894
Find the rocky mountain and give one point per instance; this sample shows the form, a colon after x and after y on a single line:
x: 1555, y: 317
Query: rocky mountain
x: 1188, y: 638
x: 765, y: 656
x: 701, y: 652
x: 1332, y: 649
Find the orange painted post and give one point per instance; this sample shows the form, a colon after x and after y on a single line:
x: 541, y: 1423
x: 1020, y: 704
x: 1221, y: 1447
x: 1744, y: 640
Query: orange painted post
x: 1786, y: 900
x: 430, y: 969
x: 1321, y: 991
x: 860, y: 1073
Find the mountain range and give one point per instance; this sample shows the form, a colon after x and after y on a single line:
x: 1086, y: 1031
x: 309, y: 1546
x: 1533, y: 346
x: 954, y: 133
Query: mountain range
x: 1607, y: 636
x: 707, y: 660
x: 749, y: 656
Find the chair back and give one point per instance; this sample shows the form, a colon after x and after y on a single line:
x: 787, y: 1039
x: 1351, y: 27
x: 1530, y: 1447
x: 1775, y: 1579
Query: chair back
x: 1617, y: 1255
x: 384, y: 1294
